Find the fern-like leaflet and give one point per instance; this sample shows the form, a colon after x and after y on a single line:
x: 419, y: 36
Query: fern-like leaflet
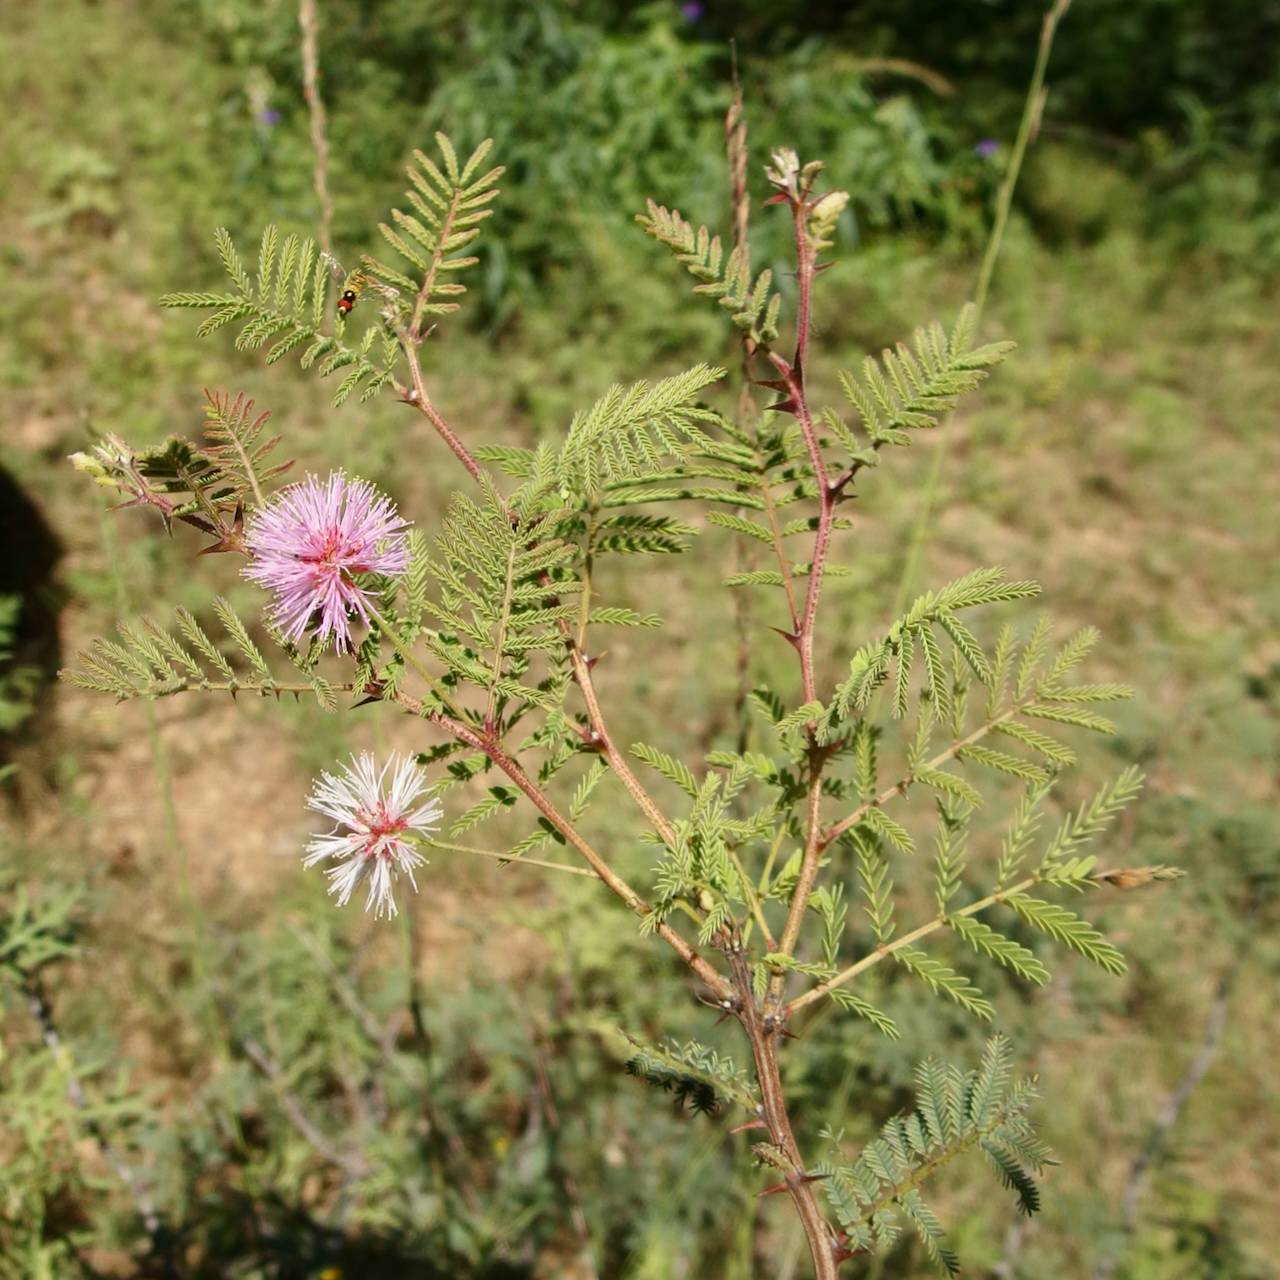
x: 956, y: 1113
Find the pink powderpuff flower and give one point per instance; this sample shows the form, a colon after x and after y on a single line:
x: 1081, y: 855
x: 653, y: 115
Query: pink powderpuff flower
x: 308, y: 543
x: 376, y: 816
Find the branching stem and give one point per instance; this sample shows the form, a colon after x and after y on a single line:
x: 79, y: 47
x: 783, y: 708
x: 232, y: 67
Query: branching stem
x: 617, y: 761
x: 408, y: 655
x: 488, y: 744
x: 763, y: 1037
x: 888, y: 948
x: 900, y: 787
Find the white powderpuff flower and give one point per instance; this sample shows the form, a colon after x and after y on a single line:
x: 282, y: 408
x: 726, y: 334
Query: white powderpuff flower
x: 376, y: 812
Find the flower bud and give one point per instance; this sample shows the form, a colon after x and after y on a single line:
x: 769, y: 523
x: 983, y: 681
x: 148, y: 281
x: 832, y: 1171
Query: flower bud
x: 92, y: 467
x: 824, y: 214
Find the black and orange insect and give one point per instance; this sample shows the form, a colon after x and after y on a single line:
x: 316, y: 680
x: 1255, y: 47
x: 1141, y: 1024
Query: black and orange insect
x: 352, y: 287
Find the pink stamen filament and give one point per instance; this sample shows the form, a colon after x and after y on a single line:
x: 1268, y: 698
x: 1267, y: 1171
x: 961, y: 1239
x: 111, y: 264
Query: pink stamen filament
x: 379, y: 825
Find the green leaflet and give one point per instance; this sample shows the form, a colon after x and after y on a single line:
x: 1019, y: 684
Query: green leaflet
x: 956, y: 1113
x: 150, y: 661
x: 753, y: 306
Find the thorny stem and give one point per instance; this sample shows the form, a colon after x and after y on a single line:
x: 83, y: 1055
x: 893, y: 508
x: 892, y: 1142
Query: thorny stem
x: 804, y: 283
x: 761, y: 1030
x: 762, y: 1027
x: 821, y: 548
x: 793, y: 379
x: 488, y: 744
x: 762, y: 1033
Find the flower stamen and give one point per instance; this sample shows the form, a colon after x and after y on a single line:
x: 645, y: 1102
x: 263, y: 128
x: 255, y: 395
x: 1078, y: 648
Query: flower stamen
x: 379, y: 821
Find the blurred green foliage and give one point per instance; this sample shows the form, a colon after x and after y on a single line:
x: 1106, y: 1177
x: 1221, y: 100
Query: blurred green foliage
x: 18, y: 680
x: 1137, y: 452
x: 595, y: 107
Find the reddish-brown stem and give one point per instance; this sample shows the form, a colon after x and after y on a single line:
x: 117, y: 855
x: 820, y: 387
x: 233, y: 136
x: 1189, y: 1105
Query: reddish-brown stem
x: 793, y: 380
x: 488, y: 744
x: 761, y: 1029
x: 617, y: 761
x: 598, y: 735
x: 416, y: 395
x: 808, y: 867
x: 804, y: 283
x: 821, y: 549
x: 762, y: 1033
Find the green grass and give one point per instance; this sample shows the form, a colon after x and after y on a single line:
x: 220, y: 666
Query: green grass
x: 1127, y: 456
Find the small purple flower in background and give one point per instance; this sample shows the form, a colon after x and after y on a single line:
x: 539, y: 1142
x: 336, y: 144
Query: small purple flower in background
x: 310, y: 541
x: 692, y: 10
x: 986, y: 148
x: 375, y: 822
x: 269, y: 116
